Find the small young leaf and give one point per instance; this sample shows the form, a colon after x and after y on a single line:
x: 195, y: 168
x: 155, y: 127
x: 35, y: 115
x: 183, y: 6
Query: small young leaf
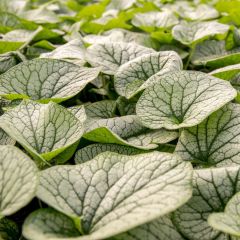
x: 113, y: 193
x: 183, y: 99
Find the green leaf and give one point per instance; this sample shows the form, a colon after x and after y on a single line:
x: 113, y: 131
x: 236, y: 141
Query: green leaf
x: 126, y: 130
x: 190, y: 33
x: 47, y: 223
x: 153, y: 20
x: 19, y: 178
x: 215, y: 140
x: 44, y: 130
x: 183, y: 99
x: 6, y: 46
x: 142, y: 72
x: 160, y: 229
x: 212, y: 189
x: 91, y: 151
x: 91, y: 11
x: 227, y: 221
x: 8, y: 230
x: 110, y: 56
x: 45, y: 80
x: 227, y: 72
x: 163, y: 36
x: 8, y: 22
x: 213, y: 54
x: 110, y: 205
x: 230, y: 7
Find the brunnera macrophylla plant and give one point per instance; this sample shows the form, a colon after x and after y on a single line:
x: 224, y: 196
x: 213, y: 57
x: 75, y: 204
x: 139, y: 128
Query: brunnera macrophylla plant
x: 119, y: 120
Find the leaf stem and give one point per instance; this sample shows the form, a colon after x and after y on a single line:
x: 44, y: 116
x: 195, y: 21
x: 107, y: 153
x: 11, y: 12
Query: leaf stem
x: 191, y: 52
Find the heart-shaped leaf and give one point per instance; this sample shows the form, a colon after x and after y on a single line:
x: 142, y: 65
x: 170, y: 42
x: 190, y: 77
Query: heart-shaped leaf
x: 200, y: 13
x: 149, y: 21
x: 140, y: 73
x: 144, y: 187
x: 19, y: 179
x: 45, y: 130
x: 45, y: 80
x: 182, y: 99
x: 110, y: 56
x: 190, y: 33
